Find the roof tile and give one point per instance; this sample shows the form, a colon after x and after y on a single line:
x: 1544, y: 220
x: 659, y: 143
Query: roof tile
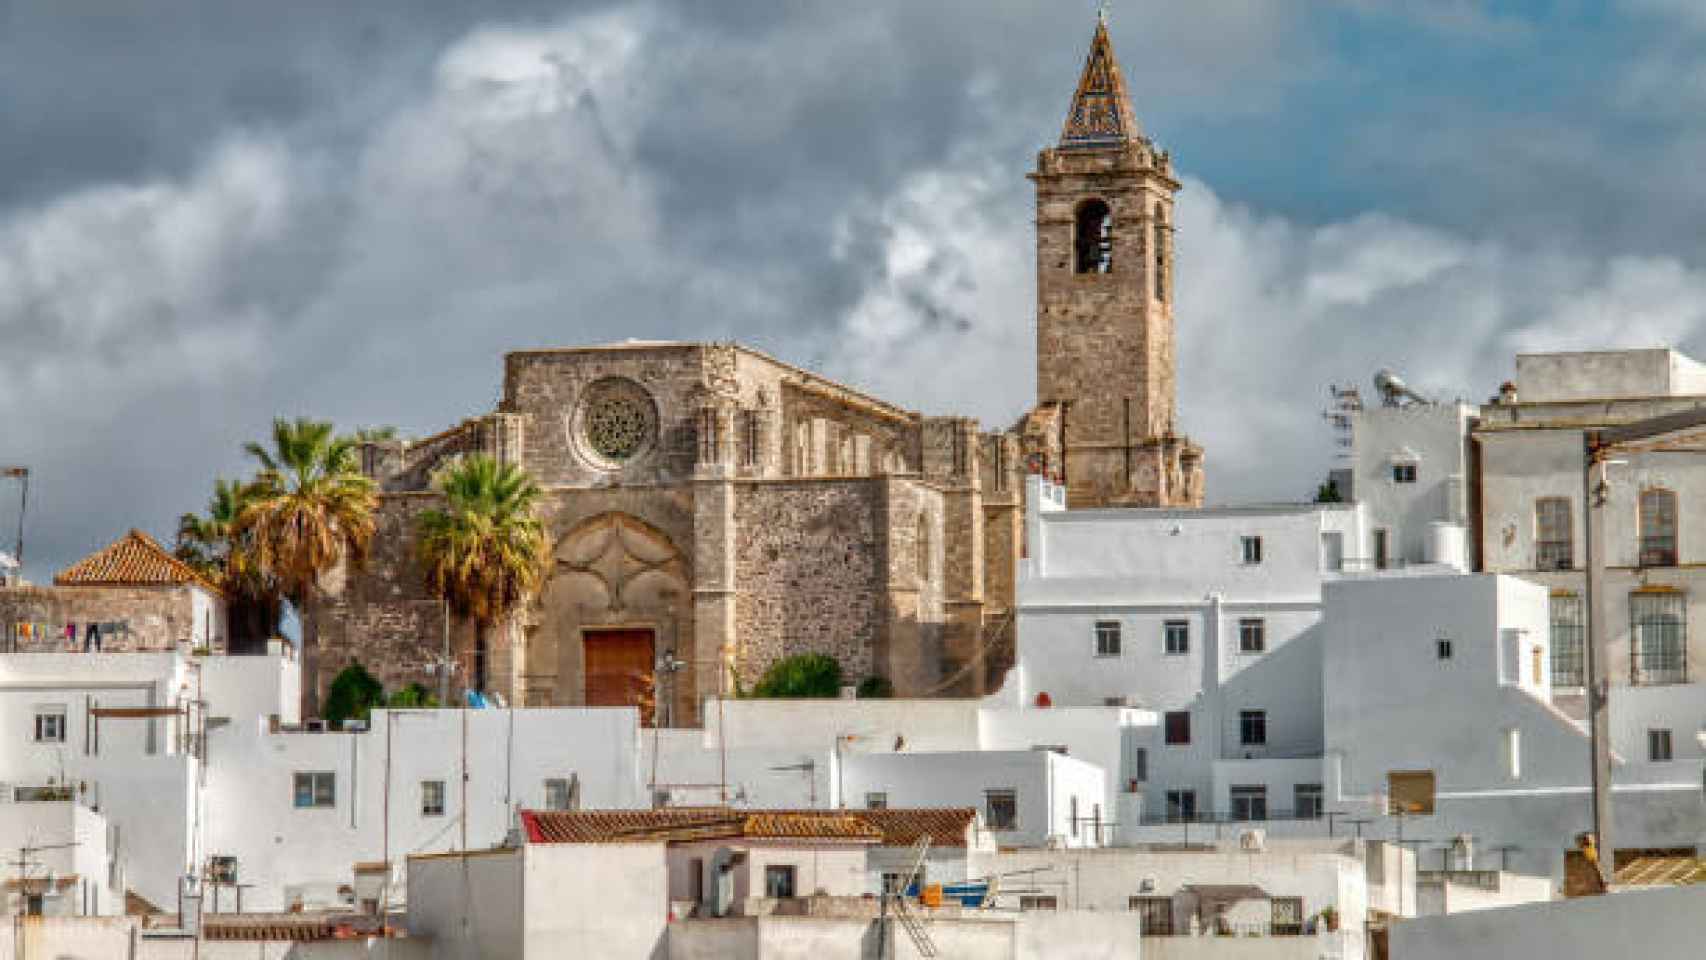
x: 134, y: 560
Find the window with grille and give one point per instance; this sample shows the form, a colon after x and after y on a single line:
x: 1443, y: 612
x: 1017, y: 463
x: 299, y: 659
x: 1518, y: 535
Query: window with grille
x: 1658, y: 528
x: 1287, y: 918
x: 1250, y: 802
x: 1307, y: 797
x: 1177, y: 635
x: 1568, y: 637
x: 432, y: 798
x: 1660, y: 634
x: 1154, y: 915
x: 1553, y: 547
x: 1403, y: 473
x: 1107, y: 638
x: 1181, y: 806
x: 50, y: 724
x: 1442, y: 648
x: 1178, y: 727
x: 1252, y: 635
x: 1253, y: 727
x: 1001, y: 809
x: 315, y: 788
x: 749, y: 437
x: 1658, y: 746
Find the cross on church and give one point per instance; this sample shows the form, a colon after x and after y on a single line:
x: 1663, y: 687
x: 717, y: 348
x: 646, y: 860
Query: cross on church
x: 1102, y: 10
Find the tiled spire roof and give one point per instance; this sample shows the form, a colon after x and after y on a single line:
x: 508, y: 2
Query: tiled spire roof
x: 1101, y: 113
x: 134, y: 560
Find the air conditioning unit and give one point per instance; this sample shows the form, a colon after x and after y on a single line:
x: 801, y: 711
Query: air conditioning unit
x: 1254, y: 841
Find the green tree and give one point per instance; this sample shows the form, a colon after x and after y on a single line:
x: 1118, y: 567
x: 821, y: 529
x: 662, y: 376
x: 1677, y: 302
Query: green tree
x: 213, y: 545
x: 353, y: 694
x: 485, y: 553
x: 1328, y: 492
x: 802, y: 675
x: 308, y: 509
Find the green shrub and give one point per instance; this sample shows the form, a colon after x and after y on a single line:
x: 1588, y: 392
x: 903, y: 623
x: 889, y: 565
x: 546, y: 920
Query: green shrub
x: 802, y: 675
x: 412, y: 696
x: 352, y: 694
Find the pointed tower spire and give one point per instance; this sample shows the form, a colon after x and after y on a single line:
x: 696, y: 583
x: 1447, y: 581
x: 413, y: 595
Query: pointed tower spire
x: 1101, y: 113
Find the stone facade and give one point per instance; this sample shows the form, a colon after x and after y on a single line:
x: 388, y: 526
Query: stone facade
x: 729, y: 508
x: 1106, y: 355
x: 721, y: 509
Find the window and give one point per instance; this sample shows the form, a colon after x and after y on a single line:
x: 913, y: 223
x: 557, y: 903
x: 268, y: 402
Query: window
x: 562, y: 793
x: 1307, y: 801
x: 1001, y: 809
x: 1660, y: 634
x: 316, y: 788
x: 1252, y: 547
x: 1553, y: 548
x: 1028, y: 903
x: 1250, y: 802
x: 1381, y: 543
x: 1403, y: 473
x: 1140, y: 765
x: 1567, y: 641
x: 1181, y: 806
x: 779, y: 881
x: 1160, y: 254
x: 1178, y: 637
x: 1442, y: 648
x: 1658, y: 528
x: 876, y: 801
x: 1252, y: 635
x: 432, y: 798
x: 1286, y: 919
x: 1178, y: 727
x: 1410, y: 791
x: 1253, y: 727
x: 1107, y: 638
x: 50, y: 724
x: 1658, y: 746
x: 1094, y: 238
x: 1154, y: 915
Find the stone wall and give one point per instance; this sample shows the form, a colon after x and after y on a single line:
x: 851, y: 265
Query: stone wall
x: 157, y: 617
x: 810, y: 573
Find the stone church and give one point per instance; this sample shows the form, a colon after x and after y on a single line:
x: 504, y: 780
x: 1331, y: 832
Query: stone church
x: 714, y: 509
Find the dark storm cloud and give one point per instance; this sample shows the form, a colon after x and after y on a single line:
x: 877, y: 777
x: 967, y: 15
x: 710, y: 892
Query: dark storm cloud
x: 214, y: 213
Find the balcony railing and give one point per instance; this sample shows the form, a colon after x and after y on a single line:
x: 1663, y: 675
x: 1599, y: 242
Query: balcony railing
x: 1553, y: 555
x: 1226, y: 816
x: 1658, y: 552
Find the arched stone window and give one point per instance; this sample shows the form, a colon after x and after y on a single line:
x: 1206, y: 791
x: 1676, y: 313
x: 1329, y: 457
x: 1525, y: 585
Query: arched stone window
x: 923, y: 547
x: 1094, y: 243
x: 1160, y: 253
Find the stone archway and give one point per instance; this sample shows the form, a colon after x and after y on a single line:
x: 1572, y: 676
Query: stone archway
x: 618, y: 598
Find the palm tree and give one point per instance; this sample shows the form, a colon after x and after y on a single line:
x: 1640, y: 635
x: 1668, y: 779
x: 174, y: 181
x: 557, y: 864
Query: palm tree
x: 486, y: 552
x: 310, y: 507
x: 213, y: 546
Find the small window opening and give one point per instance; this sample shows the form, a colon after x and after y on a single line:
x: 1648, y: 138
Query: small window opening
x: 1095, y: 238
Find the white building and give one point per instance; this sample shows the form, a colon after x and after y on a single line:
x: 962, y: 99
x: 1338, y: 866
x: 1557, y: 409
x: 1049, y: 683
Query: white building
x: 1208, y: 618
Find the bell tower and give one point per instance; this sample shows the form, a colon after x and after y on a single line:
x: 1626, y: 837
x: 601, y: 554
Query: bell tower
x: 1106, y: 367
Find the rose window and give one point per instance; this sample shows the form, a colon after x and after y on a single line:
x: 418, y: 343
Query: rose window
x: 618, y: 419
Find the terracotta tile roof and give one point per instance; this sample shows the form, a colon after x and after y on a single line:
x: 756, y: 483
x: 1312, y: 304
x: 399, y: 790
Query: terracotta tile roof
x: 134, y: 560
x: 1661, y: 871
x: 288, y: 927
x: 901, y: 827
x: 695, y: 823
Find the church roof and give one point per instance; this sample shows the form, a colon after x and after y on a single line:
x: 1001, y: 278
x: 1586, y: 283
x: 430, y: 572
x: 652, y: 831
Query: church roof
x: 134, y: 560
x: 1101, y: 113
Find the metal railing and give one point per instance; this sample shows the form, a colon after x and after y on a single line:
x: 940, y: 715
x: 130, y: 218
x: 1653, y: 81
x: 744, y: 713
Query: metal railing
x: 1554, y: 555
x: 1229, y: 817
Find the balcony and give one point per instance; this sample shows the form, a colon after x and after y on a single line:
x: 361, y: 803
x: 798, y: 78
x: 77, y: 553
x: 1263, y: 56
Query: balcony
x: 1657, y: 552
x: 1554, y: 555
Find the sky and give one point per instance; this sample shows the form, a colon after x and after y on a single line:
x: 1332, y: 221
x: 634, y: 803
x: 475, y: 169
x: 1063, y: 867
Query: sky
x: 215, y: 213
